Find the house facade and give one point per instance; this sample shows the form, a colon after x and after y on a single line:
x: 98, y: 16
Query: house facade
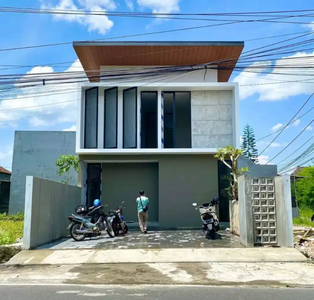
x: 5, y: 177
x: 152, y: 117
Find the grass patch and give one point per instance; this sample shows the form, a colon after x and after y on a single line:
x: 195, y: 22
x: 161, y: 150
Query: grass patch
x: 11, y: 228
x: 305, y: 218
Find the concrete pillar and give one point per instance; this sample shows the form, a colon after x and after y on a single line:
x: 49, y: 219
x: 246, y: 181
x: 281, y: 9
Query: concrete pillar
x: 284, y: 211
x: 245, y: 211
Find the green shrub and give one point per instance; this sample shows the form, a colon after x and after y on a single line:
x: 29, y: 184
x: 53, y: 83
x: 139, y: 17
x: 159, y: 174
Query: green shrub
x: 305, y: 218
x: 11, y: 228
x: 17, y: 217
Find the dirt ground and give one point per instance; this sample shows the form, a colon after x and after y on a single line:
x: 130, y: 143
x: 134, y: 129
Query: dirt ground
x: 304, y: 241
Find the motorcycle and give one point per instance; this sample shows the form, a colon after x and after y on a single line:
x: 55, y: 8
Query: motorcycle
x: 117, y: 220
x: 89, y: 222
x: 209, y: 218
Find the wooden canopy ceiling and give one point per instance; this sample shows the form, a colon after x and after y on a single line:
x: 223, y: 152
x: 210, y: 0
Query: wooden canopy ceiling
x: 95, y: 54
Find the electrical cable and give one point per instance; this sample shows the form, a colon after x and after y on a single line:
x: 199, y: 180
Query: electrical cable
x: 291, y: 142
x: 286, y: 125
x: 295, y: 150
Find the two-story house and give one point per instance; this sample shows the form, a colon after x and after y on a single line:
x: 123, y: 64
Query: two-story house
x: 152, y: 117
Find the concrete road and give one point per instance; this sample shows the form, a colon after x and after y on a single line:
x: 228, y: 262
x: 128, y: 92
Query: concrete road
x: 298, y: 275
x: 150, y: 292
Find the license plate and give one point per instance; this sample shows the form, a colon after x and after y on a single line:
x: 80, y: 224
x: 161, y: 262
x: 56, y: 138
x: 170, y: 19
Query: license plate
x: 70, y: 225
x: 210, y: 226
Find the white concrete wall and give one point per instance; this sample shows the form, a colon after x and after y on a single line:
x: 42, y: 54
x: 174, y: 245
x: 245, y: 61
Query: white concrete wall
x: 284, y: 211
x: 211, y: 75
x: 212, y: 119
x: 48, y: 204
x: 35, y: 154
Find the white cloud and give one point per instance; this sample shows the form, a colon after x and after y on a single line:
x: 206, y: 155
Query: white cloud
x: 6, y: 157
x: 296, y: 122
x: 263, y: 144
x: 253, y: 81
x: 275, y: 145
x: 310, y: 25
x: 277, y: 126
x: 100, y: 23
x: 130, y: 4
x: 45, y: 105
x: 263, y: 159
x: 309, y: 127
x: 160, y: 6
x: 72, y: 128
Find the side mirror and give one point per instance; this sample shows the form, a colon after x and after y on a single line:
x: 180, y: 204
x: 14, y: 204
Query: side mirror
x: 194, y: 204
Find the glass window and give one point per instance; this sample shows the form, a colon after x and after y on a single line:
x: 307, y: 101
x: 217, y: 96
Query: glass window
x: 130, y: 118
x: 110, y: 121
x: 91, y: 118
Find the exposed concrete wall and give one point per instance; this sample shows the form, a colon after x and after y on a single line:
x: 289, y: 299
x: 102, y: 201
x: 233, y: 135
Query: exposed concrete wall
x: 212, y: 119
x: 256, y: 170
x: 35, y: 154
x: 245, y: 211
x: 183, y: 179
x: 284, y: 211
x: 47, y: 207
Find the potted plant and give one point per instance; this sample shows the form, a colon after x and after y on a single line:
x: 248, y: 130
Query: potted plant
x: 232, y: 154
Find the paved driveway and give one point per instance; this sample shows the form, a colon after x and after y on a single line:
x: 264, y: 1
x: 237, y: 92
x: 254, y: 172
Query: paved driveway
x: 154, y: 239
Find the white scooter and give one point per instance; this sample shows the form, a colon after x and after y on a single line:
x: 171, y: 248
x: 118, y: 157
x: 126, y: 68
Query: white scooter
x: 209, y: 218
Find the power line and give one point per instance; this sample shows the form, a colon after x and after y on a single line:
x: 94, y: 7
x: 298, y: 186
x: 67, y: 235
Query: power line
x: 296, y: 150
x: 291, y: 142
x: 9, y: 67
x: 286, y: 171
x: 286, y: 125
x: 142, y: 34
x: 266, y: 136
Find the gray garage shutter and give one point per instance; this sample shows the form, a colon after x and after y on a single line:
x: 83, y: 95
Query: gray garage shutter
x: 110, y: 121
x: 91, y: 118
x: 130, y: 118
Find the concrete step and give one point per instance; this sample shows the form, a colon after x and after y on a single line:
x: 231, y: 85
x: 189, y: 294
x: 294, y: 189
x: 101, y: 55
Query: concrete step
x: 186, y: 255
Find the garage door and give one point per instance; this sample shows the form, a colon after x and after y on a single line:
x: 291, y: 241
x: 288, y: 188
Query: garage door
x: 122, y: 182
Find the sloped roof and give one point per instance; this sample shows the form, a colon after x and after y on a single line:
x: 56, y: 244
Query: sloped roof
x: 5, y: 171
x: 92, y: 55
x: 296, y: 171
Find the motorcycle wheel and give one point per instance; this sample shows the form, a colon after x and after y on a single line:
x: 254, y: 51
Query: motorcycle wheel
x: 212, y: 234
x: 116, y: 227
x: 125, y: 229
x: 77, y: 236
x: 110, y: 230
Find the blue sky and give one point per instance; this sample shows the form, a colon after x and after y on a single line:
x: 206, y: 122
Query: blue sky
x: 262, y: 106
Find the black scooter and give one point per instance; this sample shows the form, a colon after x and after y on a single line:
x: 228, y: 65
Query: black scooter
x: 89, y: 222
x: 118, y: 222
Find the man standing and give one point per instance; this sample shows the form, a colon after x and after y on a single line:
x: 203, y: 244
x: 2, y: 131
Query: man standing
x: 142, y: 209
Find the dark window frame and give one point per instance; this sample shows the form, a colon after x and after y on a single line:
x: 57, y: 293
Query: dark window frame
x: 136, y: 116
x: 85, y: 105
x: 174, y: 115
x: 156, y: 93
x: 117, y: 91
x: 88, y: 201
x: 219, y: 185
